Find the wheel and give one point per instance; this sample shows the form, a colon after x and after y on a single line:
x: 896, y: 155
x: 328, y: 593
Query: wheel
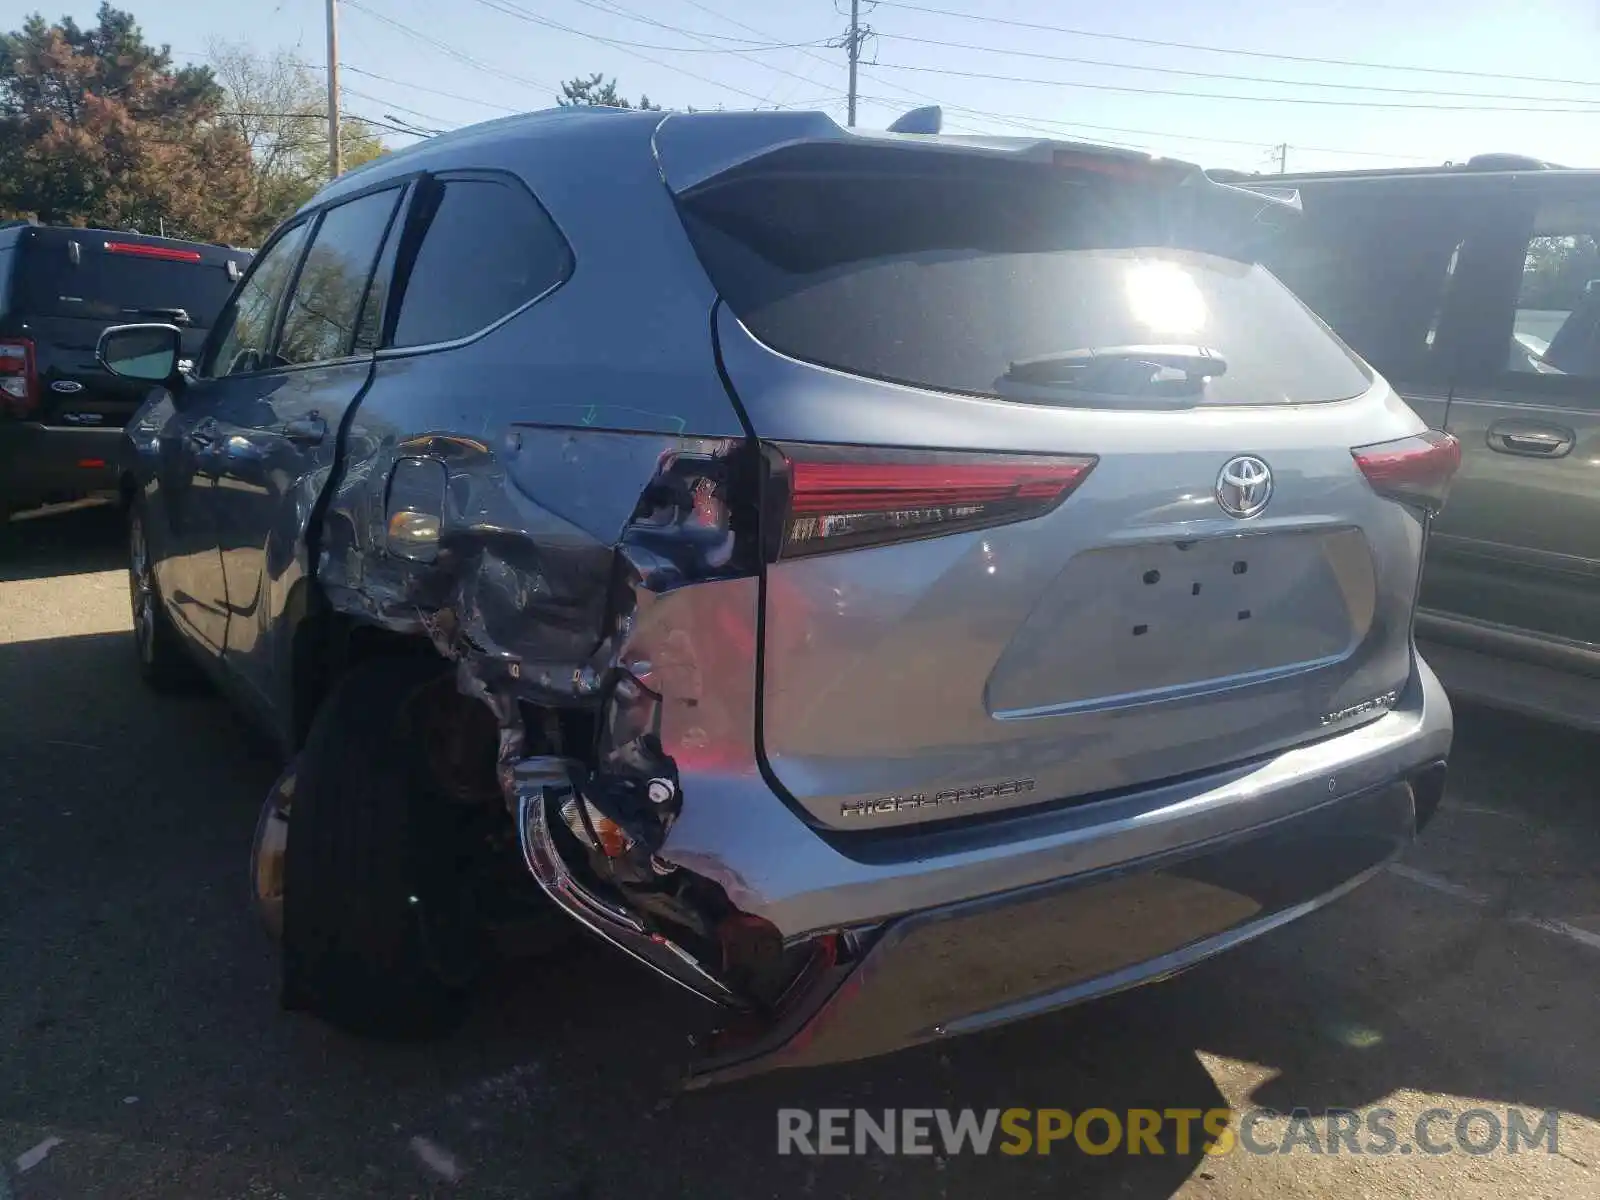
x: 381, y: 929
x: 163, y: 663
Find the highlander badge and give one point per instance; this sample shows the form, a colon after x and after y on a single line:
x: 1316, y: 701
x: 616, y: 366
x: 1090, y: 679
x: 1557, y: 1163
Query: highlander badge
x: 950, y: 796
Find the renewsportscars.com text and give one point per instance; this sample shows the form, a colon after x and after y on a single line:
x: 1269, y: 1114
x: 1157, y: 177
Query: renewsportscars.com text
x: 1215, y: 1131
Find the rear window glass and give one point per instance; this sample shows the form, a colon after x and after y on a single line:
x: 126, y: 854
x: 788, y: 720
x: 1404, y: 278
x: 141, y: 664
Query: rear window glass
x: 122, y: 287
x: 944, y: 282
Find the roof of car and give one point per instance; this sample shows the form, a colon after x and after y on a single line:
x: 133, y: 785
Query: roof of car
x: 717, y: 139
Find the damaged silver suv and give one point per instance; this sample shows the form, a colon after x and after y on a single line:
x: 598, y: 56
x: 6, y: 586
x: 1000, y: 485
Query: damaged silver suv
x: 889, y: 584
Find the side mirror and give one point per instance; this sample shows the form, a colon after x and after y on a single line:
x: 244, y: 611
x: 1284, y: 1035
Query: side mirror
x: 146, y: 352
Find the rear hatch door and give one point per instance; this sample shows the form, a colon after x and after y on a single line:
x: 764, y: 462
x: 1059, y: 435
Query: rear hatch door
x: 1218, y: 582
x: 71, y: 296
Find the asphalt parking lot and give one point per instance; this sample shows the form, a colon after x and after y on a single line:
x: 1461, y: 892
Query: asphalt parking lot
x: 143, y: 1054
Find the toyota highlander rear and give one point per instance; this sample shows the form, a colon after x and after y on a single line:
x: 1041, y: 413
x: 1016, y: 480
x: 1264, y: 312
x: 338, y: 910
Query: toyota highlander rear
x: 1065, y: 494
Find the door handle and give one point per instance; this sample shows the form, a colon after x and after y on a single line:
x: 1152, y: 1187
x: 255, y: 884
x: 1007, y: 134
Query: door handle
x: 308, y: 430
x: 1531, y: 440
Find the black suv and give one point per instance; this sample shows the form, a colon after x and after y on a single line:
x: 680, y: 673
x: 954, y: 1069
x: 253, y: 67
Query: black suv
x: 60, y: 412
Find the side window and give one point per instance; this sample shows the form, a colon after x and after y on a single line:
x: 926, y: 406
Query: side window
x: 486, y: 248
x: 239, y: 341
x: 1556, y: 329
x: 320, y: 322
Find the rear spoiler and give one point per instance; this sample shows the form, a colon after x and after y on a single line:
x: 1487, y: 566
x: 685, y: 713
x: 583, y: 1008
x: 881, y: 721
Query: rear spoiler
x: 694, y: 148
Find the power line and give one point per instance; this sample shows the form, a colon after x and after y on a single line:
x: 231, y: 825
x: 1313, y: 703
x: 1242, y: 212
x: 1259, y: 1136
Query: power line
x: 417, y: 87
x: 512, y: 10
x: 1301, y: 58
x: 1035, y: 122
x: 1123, y: 66
x: 449, y: 49
x: 1143, y: 91
x: 738, y: 24
x: 415, y: 112
x: 749, y: 47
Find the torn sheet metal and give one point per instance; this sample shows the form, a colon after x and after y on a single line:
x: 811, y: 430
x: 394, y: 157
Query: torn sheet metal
x: 532, y: 557
x: 553, y: 594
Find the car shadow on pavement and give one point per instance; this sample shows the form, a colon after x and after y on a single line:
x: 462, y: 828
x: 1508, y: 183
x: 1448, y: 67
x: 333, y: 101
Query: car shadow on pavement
x: 71, y: 542
x: 139, y: 1019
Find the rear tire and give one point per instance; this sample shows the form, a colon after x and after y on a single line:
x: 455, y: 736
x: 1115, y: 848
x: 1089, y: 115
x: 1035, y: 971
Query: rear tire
x: 381, y: 936
x: 164, y: 665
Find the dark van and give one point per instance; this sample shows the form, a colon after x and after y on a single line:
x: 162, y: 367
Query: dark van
x: 60, y: 413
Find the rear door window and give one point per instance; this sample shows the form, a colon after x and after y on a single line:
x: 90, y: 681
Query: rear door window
x: 487, y: 248
x: 944, y: 277
x: 320, y: 322
x: 1556, y: 325
x: 115, y: 285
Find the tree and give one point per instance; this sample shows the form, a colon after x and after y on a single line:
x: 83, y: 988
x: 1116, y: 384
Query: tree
x: 599, y: 92
x: 280, y: 110
x: 97, y: 127
x: 1557, y: 270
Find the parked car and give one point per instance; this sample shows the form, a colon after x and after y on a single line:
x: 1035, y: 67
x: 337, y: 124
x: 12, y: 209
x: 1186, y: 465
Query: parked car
x: 889, y: 585
x: 61, y: 413
x: 1469, y: 288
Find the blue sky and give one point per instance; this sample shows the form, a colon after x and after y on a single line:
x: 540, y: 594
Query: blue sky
x: 491, y: 58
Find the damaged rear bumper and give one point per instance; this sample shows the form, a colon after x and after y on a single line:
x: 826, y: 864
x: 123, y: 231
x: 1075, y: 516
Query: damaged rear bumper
x: 951, y: 930
x: 970, y: 966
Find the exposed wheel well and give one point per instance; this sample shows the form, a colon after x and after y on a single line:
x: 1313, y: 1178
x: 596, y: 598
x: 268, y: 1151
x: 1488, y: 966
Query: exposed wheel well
x: 327, y: 646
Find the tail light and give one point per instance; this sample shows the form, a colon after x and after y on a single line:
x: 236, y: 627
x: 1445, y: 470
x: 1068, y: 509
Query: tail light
x: 169, y: 253
x: 1415, y: 470
x: 843, y: 498
x: 19, y: 381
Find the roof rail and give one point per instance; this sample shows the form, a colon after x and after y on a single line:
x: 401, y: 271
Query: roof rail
x: 1506, y: 162
x: 7, y: 224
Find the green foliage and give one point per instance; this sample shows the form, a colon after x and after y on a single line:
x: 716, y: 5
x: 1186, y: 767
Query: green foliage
x: 600, y: 92
x: 98, y: 127
x: 1557, y: 270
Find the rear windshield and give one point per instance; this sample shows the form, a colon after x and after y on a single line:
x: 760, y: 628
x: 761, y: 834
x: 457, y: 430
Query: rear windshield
x: 109, y: 287
x: 943, y: 281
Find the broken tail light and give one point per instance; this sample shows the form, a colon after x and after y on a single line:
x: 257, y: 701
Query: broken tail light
x: 843, y: 497
x: 169, y: 253
x: 19, y: 380
x: 1414, y: 470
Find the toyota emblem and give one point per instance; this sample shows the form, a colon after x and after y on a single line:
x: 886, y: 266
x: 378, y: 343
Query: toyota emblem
x: 1244, y: 485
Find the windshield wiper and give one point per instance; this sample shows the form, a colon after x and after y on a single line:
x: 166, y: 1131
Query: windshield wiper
x: 178, y: 316
x: 1121, y: 369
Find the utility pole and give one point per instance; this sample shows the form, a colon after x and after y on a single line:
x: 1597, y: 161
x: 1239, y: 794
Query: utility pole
x: 854, y: 47
x: 852, y: 40
x: 335, y: 165
x: 1283, y: 156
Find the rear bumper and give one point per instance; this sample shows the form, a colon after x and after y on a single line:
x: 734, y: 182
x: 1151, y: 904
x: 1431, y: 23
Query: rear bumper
x: 951, y: 931
x: 43, y: 463
x: 966, y: 967
x: 775, y: 866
